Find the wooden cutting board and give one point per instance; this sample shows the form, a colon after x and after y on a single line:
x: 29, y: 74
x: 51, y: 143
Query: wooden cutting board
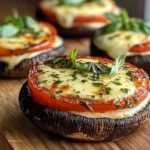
x: 18, y: 133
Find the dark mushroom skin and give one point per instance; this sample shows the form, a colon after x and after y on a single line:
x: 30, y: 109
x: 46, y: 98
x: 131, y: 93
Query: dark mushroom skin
x: 74, y: 126
x: 21, y: 70
x: 140, y: 61
x: 72, y: 32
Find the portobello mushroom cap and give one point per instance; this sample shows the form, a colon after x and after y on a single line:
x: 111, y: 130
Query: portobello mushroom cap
x: 79, y: 31
x: 21, y: 70
x: 74, y: 126
x: 140, y: 61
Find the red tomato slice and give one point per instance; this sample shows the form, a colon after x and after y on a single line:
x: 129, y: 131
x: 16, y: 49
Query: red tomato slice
x: 66, y: 103
x: 90, y: 19
x: 49, y: 13
x: 145, y: 47
x: 49, y: 40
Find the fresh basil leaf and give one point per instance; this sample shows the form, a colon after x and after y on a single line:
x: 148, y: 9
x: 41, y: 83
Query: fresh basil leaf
x: 135, y: 26
x: 29, y: 21
x: 8, y: 30
x: 124, y: 16
x: 125, y: 19
x: 17, y: 22
x: 8, y: 20
x: 72, y: 2
x: 119, y: 62
x: 73, y: 55
x: 146, y: 28
x: 112, y: 17
x: 112, y: 27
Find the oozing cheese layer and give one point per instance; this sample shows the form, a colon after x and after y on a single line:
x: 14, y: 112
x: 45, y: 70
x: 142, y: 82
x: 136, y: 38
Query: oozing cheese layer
x: 26, y: 38
x: 66, y: 14
x: 117, y: 114
x: 12, y: 61
x: 119, y: 42
x: 70, y: 83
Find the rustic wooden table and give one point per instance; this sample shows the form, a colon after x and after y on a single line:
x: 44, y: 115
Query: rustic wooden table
x: 18, y: 133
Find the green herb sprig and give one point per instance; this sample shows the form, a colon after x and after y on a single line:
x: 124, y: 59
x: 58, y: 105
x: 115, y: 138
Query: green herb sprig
x: 123, y: 22
x: 95, y: 68
x: 71, y: 2
x: 76, y: 2
x: 119, y: 62
x: 13, y: 25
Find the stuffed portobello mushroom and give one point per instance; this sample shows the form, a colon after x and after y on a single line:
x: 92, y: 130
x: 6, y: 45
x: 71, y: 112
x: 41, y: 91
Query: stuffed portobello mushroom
x: 124, y: 36
x: 86, y: 98
x: 76, y: 18
x: 24, y: 42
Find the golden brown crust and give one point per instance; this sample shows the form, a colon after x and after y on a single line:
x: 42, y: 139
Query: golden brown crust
x: 78, y: 127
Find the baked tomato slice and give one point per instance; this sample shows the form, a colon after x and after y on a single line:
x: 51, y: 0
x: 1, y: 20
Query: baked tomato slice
x: 50, y: 13
x: 140, y: 48
x: 90, y: 19
x: 47, y: 43
x: 47, y: 97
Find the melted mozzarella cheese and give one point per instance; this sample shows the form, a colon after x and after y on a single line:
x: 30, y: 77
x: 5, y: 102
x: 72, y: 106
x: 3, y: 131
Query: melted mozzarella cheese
x: 12, y: 61
x: 66, y: 14
x: 119, y: 42
x: 84, y: 87
x: 119, y: 114
x: 26, y: 38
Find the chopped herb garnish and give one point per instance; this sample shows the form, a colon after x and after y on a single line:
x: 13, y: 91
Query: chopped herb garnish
x: 107, y: 90
x: 75, y: 96
x: 54, y: 75
x: 40, y: 71
x: 82, y: 68
x: 58, y: 82
x: 74, y: 75
x: 95, y: 77
x: 83, y: 81
x: 128, y: 37
x: 101, y: 94
x: 128, y: 104
x: 135, y: 99
x: 125, y: 90
x: 92, y: 96
x: 128, y: 74
x: 119, y: 62
x: 85, y: 104
x: 97, y: 84
x: 117, y: 83
x: 58, y: 92
x: 117, y: 104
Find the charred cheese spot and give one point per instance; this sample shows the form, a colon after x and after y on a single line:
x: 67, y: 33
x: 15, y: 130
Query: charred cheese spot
x: 66, y: 14
x: 119, y: 42
x: 103, y: 89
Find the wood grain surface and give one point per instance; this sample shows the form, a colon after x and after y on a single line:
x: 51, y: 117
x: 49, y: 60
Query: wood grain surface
x: 18, y: 133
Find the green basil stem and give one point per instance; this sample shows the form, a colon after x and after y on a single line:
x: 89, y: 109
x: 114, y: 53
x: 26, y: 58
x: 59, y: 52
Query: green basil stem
x: 119, y: 62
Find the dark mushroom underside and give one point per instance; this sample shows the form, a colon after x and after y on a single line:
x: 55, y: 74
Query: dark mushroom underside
x: 69, y: 125
x: 141, y: 61
x: 71, y: 32
x: 21, y: 70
